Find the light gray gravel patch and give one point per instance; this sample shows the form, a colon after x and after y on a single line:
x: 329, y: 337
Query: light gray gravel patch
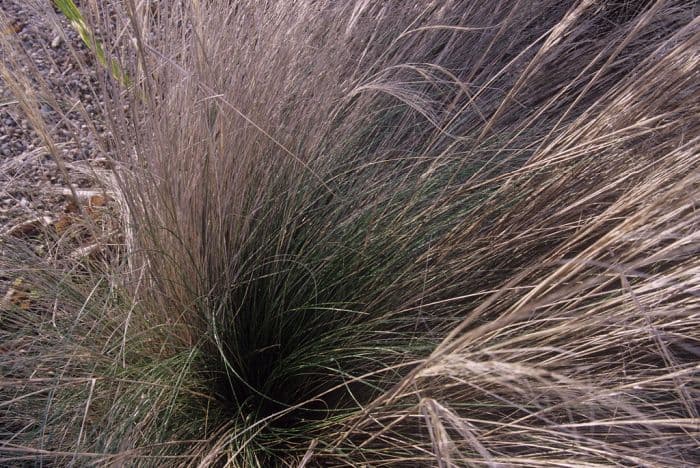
x: 29, y: 177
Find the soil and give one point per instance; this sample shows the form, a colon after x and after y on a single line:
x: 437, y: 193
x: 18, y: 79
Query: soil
x: 31, y: 185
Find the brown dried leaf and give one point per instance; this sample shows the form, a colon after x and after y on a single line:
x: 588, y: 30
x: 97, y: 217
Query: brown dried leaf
x: 29, y: 227
x: 17, y: 295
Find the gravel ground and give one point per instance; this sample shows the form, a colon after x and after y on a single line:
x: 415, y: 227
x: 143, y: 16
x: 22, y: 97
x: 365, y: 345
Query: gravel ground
x: 31, y: 186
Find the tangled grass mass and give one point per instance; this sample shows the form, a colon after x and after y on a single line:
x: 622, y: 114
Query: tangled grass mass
x: 373, y: 233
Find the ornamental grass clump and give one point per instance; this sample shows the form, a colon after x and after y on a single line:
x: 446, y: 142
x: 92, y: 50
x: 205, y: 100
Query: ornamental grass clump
x: 377, y: 234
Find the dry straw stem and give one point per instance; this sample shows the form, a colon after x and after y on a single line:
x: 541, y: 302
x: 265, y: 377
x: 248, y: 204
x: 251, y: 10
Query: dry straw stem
x: 380, y: 234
